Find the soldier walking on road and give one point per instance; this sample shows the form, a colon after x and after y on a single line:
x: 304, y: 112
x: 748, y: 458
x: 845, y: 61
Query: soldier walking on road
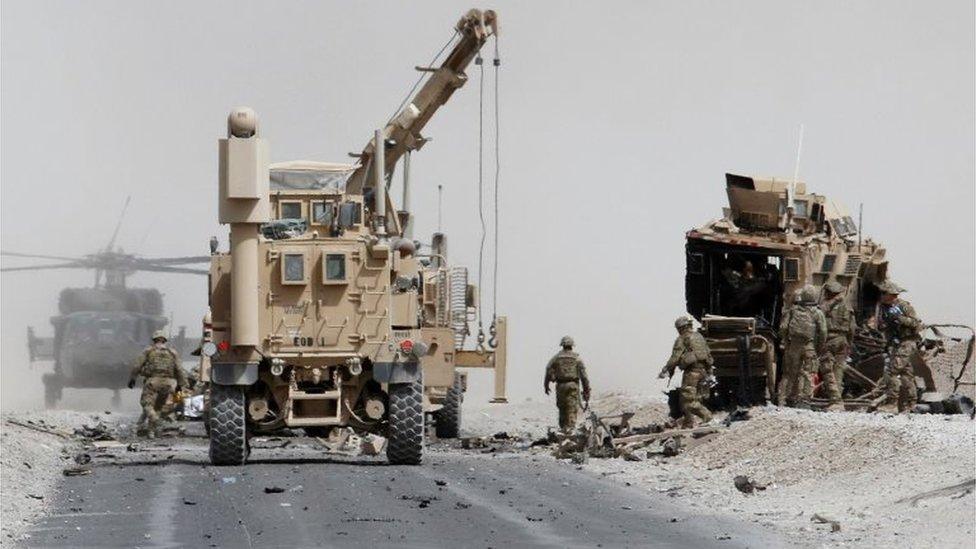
x: 160, y: 368
x: 690, y: 355
x: 902, y: 328
x: 803, y: 334
x: 566, y: 369
x: 840, y: 335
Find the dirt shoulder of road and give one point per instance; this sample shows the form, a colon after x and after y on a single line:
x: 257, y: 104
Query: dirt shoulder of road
x: 886, y: 480
x: 35, y: 448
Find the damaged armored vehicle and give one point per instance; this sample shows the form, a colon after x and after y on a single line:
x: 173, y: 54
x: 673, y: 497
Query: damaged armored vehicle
x: 744, y: 269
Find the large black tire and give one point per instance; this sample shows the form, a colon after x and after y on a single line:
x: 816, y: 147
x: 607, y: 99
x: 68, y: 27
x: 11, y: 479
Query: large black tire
x: 447, y: 420
x: 406, y: 433
x: 228, y: 426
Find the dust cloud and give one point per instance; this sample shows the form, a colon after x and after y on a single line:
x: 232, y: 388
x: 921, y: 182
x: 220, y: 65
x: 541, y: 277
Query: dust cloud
x: 616, y: 127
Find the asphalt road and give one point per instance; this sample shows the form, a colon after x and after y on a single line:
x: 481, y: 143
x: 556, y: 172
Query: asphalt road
x: 166, y: 494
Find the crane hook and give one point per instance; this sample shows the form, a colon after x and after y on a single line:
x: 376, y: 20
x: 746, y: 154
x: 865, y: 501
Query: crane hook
x: 481, y: 341
x: 493, y: 340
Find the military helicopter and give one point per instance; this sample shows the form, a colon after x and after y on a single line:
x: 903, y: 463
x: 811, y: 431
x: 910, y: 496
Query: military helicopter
x: 101, y: 330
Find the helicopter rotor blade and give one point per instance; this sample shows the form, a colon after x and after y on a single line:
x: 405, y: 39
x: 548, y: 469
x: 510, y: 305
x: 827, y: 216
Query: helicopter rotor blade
x: 44, y: 267
x: 173, y: 260
x: 164, y: 269
x: 37, y: 256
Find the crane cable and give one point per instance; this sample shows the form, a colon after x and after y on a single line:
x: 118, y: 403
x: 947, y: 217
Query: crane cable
x: 422, y: 76
x: 481, y: 184
x: 498, y: 167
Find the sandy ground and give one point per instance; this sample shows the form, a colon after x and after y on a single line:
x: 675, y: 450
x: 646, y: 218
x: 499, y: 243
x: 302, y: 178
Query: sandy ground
x: 32, y: 462
x: 854, y: 468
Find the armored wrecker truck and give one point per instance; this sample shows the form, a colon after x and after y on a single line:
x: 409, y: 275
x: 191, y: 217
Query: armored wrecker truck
x: 325, y: 313
x: 744, y: 269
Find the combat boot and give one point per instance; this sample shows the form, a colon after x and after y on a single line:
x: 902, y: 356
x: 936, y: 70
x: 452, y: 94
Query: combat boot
x: 835, y: 407
x: 888, y: 408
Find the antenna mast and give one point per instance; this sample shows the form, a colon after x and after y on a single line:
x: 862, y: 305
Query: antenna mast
x: 791, y: 190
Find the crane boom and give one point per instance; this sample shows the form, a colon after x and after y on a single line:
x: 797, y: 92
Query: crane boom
x: 403, y: 132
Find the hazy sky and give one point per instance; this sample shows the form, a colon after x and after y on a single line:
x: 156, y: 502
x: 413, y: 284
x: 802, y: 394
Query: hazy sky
x: 618, y: 121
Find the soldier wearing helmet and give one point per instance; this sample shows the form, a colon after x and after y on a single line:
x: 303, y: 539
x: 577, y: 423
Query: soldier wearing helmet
x: 162, y: 375
x: 840, y: 336
x: 803, y: 334
x: 691, y: 355
x: 902, y: 328
x: 567, y: 371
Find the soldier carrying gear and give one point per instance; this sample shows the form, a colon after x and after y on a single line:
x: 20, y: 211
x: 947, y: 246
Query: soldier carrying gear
x: 567, y: 371
x: 160, y: 368
x: 803, y: 334
x: 691, y: 355
x: 840, y: 336
x: 902, y: 328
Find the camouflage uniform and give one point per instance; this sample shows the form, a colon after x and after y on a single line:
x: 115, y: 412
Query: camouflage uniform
x: 567, y: 370
x: 903, y: 330
x: 803, y: 331
x: 160, y: 368
x: 840, y: 334
x: 691, y: 355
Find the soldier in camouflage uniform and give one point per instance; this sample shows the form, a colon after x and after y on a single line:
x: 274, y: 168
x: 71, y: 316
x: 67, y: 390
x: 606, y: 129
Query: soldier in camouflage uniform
x: 840, y: 335
x: 691, y: 355
x: 803, y: 334
x: 160, y: 368
x: 566, y: 369
x: 902, y: 328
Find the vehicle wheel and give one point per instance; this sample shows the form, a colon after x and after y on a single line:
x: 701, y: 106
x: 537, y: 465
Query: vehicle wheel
x: 447, y: 422
x: 406, y: 432
x: 228, y: 426
x: 52, y: 392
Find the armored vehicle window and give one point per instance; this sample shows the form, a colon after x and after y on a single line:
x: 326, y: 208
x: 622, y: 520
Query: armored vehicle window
x: 293, y: 268
x: 696, y: 263
x: 349, y: 214
x: 800, y: 208
x: 792, y: 270
x: 335, y: 268
x: 828, y: 263
x: 290, y: 210
x: 322, y: 213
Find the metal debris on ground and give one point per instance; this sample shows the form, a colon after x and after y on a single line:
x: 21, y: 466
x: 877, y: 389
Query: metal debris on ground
x: 99, y: 431
x: 76, y: 471
x: 273, y: 490
x: 821, y: 519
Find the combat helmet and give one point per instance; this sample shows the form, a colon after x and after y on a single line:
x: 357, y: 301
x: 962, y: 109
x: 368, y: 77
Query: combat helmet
x: 566, y: 342
x: 834, y: 287
x: 159, y: 334
x: 808, y: 295
x: 889, y: 287
x: 682, y: 322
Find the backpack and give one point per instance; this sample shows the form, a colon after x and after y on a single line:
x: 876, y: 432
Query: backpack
x: 803, y: 325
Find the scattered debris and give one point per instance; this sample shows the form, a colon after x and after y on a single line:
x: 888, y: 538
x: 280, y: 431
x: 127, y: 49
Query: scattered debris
x: 739, y: 414
x: 440, y: 482
x: 40, y: 427
x: 188, y: 502
x: 671, y: 446
x: 102, y: 444
x: 83, y: 458
x: 35, y: 496
x: 228, y: 480
x: 273, y: 490
x: 99, y: 431
x: 460, y: 505
x: 954, y: 491
x: 821, y: 519
x: 744, y: 484
x: 76, y: 471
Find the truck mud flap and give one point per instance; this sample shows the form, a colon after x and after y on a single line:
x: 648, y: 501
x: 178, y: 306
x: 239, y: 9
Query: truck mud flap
x: 234, y: 374
x: 396, y: 372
